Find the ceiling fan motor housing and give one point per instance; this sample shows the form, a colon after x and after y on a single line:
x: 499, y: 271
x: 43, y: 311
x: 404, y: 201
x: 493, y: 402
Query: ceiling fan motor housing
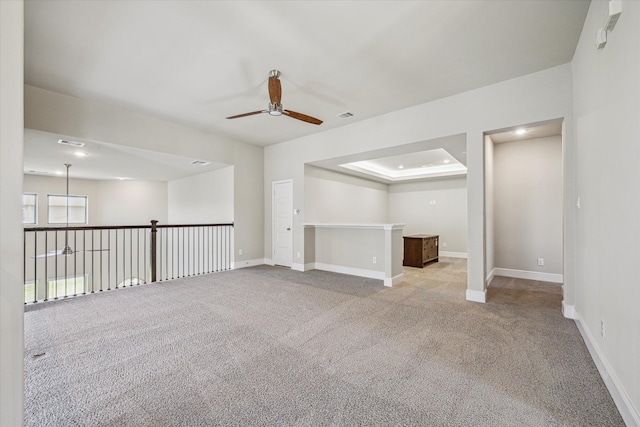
x: 275, y: 109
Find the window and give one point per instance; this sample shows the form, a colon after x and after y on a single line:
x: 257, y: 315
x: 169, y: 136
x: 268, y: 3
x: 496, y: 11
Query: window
x: 56, y: 288
x: 29, y: 208
x: 30, y: 291
x: 57, y: 209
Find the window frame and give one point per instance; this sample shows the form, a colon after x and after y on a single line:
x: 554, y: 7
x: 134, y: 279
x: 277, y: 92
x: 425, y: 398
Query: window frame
x: 64, y: 222
x: 35, y: 208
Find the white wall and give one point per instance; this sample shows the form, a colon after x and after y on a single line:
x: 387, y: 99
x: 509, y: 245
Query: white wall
x: 537, y: 97
x: 109, y: 202
x: 133, y: 202
x: 527, y: 179
x: 11, y: 280
x: 606, y: 96
x: 80, y: 118
x: 413, y: 204
x: 202, y: 199
x: 332, y: 197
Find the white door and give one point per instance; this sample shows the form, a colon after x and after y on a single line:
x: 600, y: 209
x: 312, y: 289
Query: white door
x: 282, y: 223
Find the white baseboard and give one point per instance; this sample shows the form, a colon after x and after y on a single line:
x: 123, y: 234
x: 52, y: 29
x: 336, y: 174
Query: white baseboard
x: 371, y: 274
x: 269, y: 261
x: 248, y: 263
x: 390, y: 281
x: 531, y: 275
x: 452, y: 254
x: 297, y: 267
x: 477, y: 296
x: 568, y: 311
x: 630, y: 414
x: 489, y: 277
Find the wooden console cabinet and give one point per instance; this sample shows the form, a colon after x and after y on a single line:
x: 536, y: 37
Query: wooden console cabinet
x: 420, y: 249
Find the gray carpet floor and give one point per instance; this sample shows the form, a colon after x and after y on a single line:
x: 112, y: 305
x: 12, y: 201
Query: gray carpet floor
x: 267, y: 346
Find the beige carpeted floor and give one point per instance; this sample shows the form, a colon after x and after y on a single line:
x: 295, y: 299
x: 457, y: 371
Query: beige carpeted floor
x: 270, y: 346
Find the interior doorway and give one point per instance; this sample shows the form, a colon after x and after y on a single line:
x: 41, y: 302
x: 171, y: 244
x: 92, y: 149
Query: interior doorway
x: 524, y: 197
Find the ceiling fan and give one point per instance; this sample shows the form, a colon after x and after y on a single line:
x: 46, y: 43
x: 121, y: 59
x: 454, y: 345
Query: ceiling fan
x: 275, y: 107
x: 67, y: 249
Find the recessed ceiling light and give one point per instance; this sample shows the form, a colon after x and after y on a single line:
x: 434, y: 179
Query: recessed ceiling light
x: 401, y: 167
x: 122, y: 178
x: 445, y: 161
x: 521, y: 131
x: 59, y: 172
x: 80, y: 153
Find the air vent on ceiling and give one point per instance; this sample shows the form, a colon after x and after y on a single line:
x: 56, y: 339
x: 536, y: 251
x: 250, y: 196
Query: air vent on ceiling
x: 71, y: 143
x: 346, y: 115
x: 200, y: 163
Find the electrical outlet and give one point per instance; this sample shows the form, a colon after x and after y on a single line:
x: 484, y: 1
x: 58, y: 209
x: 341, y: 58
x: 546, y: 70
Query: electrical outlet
x: 297, y: 254
x: 240, y: 251
x: 540, y: 261
x: 444, y: 244
x: 375, y: 259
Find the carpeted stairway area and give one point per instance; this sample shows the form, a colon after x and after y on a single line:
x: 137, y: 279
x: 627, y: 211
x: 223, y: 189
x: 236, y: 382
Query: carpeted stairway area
x: 268, y: 346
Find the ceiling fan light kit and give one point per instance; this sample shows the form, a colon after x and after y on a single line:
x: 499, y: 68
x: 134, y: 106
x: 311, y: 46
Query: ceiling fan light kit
x: 275, y: 107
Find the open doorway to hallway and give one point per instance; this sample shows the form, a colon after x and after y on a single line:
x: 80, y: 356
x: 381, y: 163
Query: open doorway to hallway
x: 524, y: 192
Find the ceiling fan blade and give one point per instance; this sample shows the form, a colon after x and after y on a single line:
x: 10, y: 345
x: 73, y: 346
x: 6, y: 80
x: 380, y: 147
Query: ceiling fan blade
x: 48, y: 254
x: 275, y: 90
x: 302, y: 117
x: 247, y: 114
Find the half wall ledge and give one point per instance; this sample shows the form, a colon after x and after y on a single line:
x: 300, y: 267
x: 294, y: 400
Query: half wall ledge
x: 367, y: 250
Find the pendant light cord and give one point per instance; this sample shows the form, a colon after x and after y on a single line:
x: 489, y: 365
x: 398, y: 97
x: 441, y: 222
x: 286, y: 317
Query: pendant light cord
x: 66, y: 232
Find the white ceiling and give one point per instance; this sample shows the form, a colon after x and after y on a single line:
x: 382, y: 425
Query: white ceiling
x: 532, y: 131
x: 43, y: 155
x: 197, y: 62
x: 412, y: 156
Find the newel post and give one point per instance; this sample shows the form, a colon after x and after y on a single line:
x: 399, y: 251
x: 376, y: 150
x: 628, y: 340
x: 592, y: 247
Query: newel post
x: 154, y: 231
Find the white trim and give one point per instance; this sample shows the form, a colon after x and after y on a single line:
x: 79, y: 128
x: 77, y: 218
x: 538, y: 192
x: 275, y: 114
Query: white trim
x: 355, y: 225
x: 476, y: 296
x: 390, y: 281
x: 248, y: 263
x: 490, y: 277
x: 453, y: 254
x: 568, y: 311
x: 371, y: 274
x: 629, y: 413
x: 531, y: 275
x: 303, y: 267
x: 269, y: 261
